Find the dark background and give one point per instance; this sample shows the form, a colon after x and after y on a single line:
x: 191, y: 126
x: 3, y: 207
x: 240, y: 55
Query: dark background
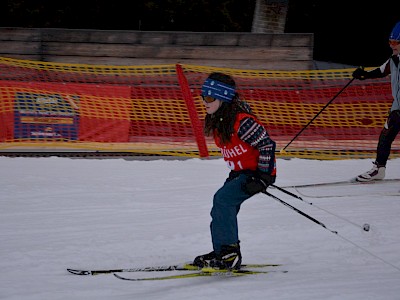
x: 347, y: 32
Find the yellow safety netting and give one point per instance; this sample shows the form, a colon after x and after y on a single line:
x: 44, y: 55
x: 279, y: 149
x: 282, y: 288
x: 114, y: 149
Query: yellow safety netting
x: 157, y: 109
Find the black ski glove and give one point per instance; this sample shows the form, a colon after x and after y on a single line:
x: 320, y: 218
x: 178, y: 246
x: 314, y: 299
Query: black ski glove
x: 258, y: 181
x: 360, y: 74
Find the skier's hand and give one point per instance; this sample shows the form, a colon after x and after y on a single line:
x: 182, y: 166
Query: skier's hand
x: 257, y: 182
x: 360, y: 73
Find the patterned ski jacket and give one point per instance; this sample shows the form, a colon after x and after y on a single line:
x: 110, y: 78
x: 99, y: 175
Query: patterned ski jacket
x: 250, y: 148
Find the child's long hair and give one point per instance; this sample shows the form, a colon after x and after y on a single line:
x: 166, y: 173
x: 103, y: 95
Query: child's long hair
x: 221, y: 122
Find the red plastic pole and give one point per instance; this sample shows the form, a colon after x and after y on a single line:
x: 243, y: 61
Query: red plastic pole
x: 194, y: 117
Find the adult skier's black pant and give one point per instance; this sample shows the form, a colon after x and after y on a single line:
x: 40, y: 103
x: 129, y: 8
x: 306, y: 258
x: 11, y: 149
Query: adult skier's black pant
x: 387, y: 136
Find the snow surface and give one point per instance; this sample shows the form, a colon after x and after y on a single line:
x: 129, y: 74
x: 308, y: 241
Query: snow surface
x: 59, y: 213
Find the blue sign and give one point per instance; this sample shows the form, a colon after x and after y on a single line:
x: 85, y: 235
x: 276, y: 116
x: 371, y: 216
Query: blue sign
x: 46, y: 116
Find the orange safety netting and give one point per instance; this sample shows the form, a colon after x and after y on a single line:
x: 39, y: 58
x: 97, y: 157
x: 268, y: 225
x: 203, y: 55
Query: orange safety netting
x: 158, y: 109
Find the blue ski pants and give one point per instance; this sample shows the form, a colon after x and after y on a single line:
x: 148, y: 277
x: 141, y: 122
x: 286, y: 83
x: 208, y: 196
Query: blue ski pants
x: 226, y: 205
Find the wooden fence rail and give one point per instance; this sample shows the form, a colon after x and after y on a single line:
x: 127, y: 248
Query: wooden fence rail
x: 288, y: 51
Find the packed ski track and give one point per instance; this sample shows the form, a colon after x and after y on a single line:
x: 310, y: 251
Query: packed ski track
x: 89, y: 214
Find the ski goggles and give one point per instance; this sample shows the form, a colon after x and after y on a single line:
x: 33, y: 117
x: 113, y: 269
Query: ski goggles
x: 208, y: 99
x: 394, y: 42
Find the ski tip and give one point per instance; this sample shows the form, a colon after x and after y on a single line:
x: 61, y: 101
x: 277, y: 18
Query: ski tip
x: 132, y: 279
x: 119, y: 277
x: 79, y: 272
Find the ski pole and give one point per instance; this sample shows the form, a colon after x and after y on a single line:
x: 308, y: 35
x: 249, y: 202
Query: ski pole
x: 335, y: 232
x: 326, y: 105
x: 365, y: 227
x: 288, y: 193
x: 299, y: 211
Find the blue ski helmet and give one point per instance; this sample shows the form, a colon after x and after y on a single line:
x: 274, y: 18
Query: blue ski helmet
x: 395, y: 35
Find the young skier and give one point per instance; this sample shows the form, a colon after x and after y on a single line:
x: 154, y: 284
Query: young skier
x: 250, y: 155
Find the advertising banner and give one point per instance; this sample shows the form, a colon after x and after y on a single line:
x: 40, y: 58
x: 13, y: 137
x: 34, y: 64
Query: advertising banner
x: 46, y: 116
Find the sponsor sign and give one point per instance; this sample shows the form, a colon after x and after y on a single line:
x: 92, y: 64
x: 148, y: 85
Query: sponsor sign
x: 46, y: 116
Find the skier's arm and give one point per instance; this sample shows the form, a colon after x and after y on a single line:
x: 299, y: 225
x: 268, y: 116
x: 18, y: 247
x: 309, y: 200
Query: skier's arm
x: 255, y: 134
x: 380, y: 72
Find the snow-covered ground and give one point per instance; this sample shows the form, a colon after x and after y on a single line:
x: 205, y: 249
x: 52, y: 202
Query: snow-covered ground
x: 59, y: 213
